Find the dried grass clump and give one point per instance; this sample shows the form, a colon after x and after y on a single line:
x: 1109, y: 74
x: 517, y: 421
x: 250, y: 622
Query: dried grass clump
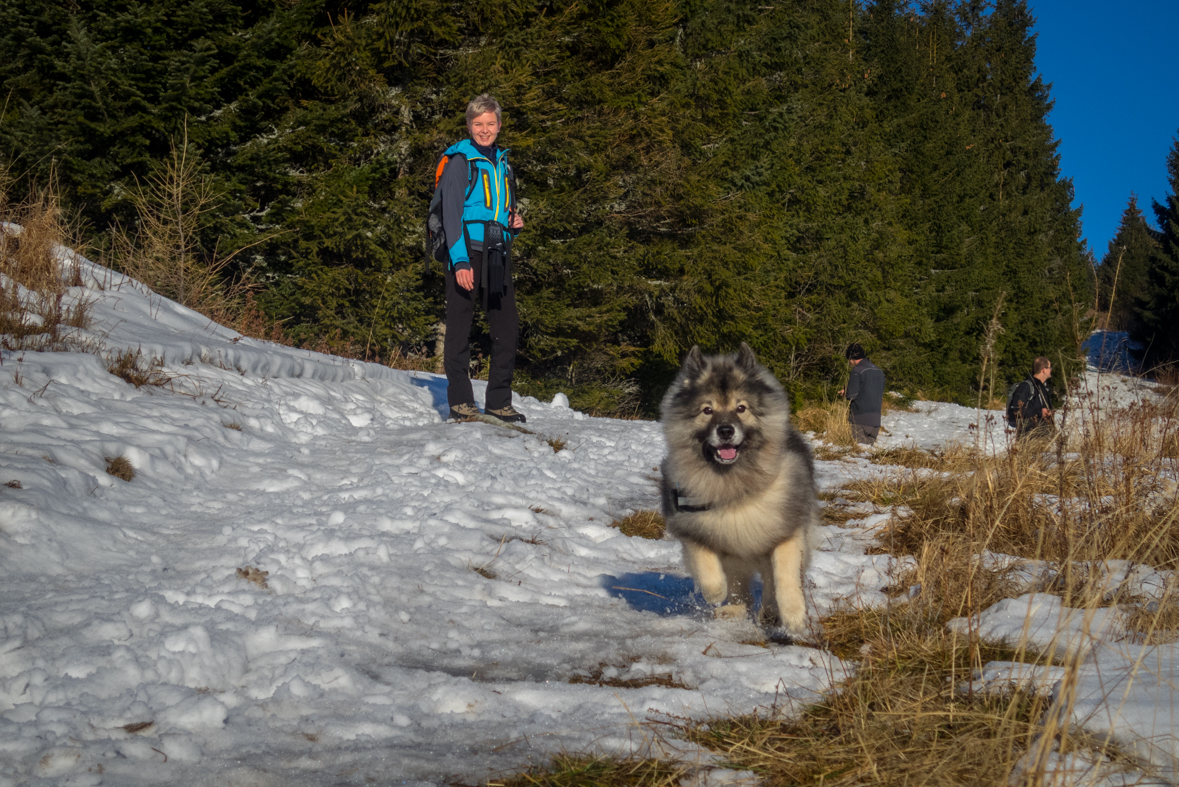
x: 955, y: 458
x: 120, y: 467
x: 1038, y: 506
x: 828, y: 422
x: 1154, y: 623
x: 35, y: 313
x: 642, y: 524
x: 576, y: 771
x: 133, y: 368
x: 894, y: 728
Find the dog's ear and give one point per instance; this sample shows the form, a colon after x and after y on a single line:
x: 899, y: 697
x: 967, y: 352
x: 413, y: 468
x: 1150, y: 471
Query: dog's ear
x: 694, y: 363
x: 746, y: 360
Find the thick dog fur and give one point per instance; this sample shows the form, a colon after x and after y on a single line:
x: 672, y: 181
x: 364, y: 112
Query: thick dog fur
x: 738, y: 486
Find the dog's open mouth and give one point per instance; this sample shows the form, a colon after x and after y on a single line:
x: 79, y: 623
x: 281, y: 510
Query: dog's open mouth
x: 726, y: 454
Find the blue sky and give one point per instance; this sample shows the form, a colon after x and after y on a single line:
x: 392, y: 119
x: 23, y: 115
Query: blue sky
x: 1112, y: 70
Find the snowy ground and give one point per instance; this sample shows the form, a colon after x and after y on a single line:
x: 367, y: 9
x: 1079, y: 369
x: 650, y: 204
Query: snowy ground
x: 431, y: 588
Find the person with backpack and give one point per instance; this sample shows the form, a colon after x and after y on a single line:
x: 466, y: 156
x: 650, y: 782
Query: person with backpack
x: 1029, y: 404
x: 476, y: 196
x: 865, y: 391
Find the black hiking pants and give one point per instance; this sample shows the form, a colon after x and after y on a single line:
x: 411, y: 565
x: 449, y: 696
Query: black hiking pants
x: 456, y: 351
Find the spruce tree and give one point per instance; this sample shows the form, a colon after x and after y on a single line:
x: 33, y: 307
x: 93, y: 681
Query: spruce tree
x: 1158, y: 334
x: 1122, y: 275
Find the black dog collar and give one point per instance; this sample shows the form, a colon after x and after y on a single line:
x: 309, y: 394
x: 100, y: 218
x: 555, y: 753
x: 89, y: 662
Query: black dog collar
x: 684, y: 503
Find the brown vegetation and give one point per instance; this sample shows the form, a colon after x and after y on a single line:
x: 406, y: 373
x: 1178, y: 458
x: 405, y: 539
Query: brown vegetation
x: 642, y: 524
x: 37, y: 312
x: 120, y: 467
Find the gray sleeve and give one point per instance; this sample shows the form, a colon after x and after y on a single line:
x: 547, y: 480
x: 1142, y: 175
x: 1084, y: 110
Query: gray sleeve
x: 455, y: 179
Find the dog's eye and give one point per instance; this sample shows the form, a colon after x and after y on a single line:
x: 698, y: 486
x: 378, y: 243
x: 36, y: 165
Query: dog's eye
x: 707, y: 411
x: 740, y: 408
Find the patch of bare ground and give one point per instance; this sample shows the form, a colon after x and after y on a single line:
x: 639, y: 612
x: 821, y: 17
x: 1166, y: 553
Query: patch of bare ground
x: 605, y: 675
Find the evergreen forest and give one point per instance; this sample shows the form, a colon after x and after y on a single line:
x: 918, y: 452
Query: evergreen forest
x: 798, y: 175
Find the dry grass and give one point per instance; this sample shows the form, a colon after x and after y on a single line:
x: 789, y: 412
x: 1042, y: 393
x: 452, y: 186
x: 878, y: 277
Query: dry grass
x: 577, y: 771
x: 642, y: 524
x: 954, y: 458
x: 35, y: 312
x: 134, y: 368
x: 828, y: 422
x: 906, y: 714
x: 901, y: 716
x: 1154, y: 623
x: 120, y: 467
x: 1111, y: 499
x: 165, y: 253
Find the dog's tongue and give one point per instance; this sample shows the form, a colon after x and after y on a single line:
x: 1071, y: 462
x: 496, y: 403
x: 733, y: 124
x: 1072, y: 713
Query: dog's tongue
x: 727, y: 453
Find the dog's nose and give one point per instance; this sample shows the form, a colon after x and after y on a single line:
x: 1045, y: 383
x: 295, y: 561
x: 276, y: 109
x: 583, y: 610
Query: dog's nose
x: 725, y: 432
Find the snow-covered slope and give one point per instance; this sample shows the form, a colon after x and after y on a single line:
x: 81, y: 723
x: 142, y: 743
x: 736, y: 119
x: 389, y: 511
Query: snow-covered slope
x: 438, y: 599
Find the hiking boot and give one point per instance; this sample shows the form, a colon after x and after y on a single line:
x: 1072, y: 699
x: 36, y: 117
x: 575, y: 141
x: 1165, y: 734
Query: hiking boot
x: 508, y: 414
x: 463, y: 412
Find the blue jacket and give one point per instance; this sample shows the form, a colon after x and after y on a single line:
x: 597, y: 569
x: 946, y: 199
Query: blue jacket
x: 464, y: 217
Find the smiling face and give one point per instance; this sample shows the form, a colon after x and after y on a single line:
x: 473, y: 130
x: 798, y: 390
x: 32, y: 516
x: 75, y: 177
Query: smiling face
x: 484, y: 129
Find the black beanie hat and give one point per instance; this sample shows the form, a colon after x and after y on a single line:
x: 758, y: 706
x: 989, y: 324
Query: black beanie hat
x: 855, y: 352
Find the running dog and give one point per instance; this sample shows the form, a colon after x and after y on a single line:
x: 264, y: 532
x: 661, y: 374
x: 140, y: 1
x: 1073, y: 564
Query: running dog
x: 738, y: 486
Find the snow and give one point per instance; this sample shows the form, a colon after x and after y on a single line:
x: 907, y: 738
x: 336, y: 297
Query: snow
x: 312, y: 578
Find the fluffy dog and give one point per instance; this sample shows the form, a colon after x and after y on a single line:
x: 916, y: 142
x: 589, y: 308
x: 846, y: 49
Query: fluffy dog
x: 738, y: 486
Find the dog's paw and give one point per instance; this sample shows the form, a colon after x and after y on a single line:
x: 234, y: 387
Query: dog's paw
x: 729, y: 611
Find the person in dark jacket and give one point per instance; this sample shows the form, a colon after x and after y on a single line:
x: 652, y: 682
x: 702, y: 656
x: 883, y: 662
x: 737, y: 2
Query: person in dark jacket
x: 865, y: 391
x: 479, y: 221
x: 1032, y: 403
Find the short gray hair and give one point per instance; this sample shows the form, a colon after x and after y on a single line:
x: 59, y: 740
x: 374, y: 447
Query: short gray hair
x: 481, y: 104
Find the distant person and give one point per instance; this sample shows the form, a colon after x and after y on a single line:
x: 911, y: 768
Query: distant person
x: 865, y: 391
x: 1030, y: 406
x: 479, y: 220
